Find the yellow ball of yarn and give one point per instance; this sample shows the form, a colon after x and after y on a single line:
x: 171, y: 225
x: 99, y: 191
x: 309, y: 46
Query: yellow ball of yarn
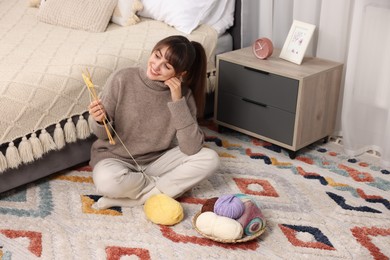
x: 162, y: 209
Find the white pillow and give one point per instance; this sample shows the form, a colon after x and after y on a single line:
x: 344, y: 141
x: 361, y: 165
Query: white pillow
x: 221, y: 16
x: 184, y: 15
x: 125, y: 13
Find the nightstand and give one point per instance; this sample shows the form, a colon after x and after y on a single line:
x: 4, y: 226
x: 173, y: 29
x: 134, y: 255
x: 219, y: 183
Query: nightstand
x: 275, y: 100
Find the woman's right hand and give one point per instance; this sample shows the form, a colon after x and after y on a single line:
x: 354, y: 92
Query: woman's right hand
x: 97, y: 111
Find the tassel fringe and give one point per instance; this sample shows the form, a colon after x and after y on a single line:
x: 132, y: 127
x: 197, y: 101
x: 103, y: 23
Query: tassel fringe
x: 59, y: 137
x: 12, y: 156
x: 82, y: 128
x: 36, y: 146
x: 33, y: 148
x: 70, y: 131
x: 211, y: 80
x: 3, y: 162
x: 47, y: 141
x: 25, y: 151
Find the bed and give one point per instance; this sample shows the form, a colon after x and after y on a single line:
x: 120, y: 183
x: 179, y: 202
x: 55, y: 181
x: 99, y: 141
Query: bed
x: 43, y: 99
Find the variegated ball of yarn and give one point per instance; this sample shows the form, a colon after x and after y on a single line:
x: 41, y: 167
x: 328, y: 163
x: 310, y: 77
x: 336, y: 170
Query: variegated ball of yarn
x: 229, y: 206
x: 252, y: 220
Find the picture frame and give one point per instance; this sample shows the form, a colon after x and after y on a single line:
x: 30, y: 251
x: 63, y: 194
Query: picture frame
x: 297, y: 40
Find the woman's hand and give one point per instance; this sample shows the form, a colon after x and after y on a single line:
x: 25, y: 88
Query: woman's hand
x: 97, y: 111
x: 174, y: 85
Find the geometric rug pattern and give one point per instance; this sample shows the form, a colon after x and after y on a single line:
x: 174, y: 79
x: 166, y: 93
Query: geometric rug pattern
x: 321, y: 205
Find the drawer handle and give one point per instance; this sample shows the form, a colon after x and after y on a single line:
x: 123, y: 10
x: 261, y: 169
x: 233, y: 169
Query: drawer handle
x: 254, y: 102
x: 255, y: 70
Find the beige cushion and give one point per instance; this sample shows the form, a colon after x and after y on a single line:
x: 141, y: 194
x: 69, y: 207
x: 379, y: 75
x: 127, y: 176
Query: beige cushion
x: 88, y: 15
x: 125, y: 13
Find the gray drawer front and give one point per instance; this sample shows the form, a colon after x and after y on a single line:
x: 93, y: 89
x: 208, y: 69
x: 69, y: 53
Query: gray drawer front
x: 262, y: 87
x: 268, y: 121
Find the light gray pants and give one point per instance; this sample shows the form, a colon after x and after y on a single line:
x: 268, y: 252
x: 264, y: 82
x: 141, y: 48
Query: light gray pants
x: 172, y: 174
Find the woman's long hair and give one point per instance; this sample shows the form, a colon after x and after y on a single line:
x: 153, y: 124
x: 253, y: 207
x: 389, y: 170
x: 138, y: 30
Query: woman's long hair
x: 190, y: 57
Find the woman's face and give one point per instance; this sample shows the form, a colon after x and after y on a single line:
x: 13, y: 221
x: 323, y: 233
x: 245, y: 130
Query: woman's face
x: 158, y: 67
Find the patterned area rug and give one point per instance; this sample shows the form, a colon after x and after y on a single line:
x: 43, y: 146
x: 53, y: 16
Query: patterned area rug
x: 322, y: 205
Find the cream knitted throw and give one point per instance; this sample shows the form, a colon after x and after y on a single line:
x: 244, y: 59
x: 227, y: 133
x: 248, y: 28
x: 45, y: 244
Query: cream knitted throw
x: 41, y: 82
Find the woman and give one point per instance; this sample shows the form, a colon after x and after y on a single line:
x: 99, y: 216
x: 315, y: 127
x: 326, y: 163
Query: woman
x: 158, y: 142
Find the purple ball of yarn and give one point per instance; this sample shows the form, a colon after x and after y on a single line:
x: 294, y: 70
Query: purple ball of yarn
x: 229, y: 206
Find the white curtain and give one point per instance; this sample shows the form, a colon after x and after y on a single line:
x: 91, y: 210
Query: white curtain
x: 366, y: 106
x: 354, y: 32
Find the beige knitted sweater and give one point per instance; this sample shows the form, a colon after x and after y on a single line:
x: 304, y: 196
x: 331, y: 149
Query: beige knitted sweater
x: 145, y: 119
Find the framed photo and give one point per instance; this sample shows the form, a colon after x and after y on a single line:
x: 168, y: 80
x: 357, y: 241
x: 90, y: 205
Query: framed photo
x: 298, y: 39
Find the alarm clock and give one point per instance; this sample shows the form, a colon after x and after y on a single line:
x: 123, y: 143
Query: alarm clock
x: 262, y: 48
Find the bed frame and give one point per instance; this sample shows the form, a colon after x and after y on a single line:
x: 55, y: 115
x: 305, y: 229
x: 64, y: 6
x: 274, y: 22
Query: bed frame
x: 74, y: 154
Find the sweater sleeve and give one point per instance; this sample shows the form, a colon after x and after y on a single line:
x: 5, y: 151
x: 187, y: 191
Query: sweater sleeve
x: 97, y: 129
x: 188, y: 133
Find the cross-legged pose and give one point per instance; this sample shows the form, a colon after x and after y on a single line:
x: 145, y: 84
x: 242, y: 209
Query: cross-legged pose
x: 157, y: 143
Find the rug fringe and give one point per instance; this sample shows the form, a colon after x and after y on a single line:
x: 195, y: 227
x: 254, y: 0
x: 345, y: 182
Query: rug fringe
x: 33, y: 148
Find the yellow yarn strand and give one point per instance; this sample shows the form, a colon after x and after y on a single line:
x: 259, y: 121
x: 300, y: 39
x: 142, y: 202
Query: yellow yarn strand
x: 91, y: 88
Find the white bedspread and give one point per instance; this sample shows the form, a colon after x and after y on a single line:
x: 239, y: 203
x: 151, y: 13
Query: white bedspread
x: 41, y: 64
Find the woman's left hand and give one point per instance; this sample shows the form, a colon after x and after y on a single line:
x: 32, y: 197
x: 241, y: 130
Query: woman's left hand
x: 174, y: 85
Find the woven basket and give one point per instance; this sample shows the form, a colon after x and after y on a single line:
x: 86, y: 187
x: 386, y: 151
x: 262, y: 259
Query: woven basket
x: 243, y: 239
